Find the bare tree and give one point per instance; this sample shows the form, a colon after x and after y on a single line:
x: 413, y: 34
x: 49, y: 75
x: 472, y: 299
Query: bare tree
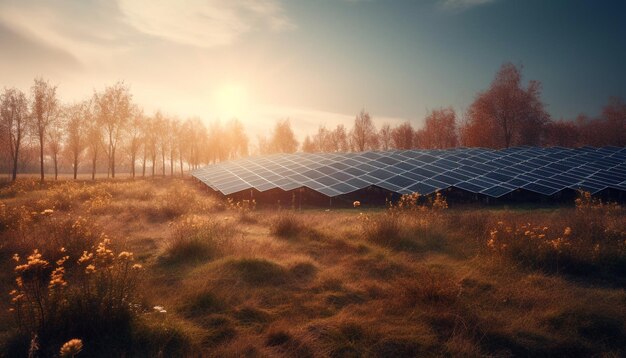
x: 78, y: 118
x: 113, y: 111
x: 94, y: 143
x: 363, y: 133
x: 13, y: 123
x: 44, y: 111
x: 339, y: 138
x: 56, y: 136
x: 134, y: 135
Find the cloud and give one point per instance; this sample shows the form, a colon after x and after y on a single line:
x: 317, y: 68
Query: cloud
x: 459, y: 5
x: 84, y: 30
x: 203, y: 23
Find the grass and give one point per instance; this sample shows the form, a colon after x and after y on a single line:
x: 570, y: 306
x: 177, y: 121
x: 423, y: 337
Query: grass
x: 412, y: 281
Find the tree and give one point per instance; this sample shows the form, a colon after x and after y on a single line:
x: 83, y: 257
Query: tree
x: 363, y: 134
x: 308, y: 146
x: 78, y: 118
x: 384, y: 137
x: 237, y: 139
x: 44, y: 111
x: 56, y: 135
x: 402, y: 136
x: 561, y: 133
x: 13, y: 123
x: 135, y: 135
x: 614, y: 115
x: 439, y: 131
x: 94, y: 143
x: 113, y: 111
x: 339, y: 138
x: 506, y: 114
x: 283, y: 139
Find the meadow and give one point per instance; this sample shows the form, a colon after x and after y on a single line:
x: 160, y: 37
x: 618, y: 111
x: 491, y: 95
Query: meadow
x: 162, y: 267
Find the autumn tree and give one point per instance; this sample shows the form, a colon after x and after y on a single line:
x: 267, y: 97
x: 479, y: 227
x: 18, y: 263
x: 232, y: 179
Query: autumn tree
x: 402, y: 136
x: 439, y: 130
x: 283, y: 139
x: 614, y: 116
x: 308, y: 146
x: 94, y: 143
x: 135, y: 133
x: 561, y: 133
x: 113, y: 108
x: 363, y: 134
x: 339, y: 139
x: 384, y: 137
x: 13, y: 124
x: 44, y: 111
x: 77, y: 121
x: 237, y: 139
x: 55, y: 138
x: 507, y: 114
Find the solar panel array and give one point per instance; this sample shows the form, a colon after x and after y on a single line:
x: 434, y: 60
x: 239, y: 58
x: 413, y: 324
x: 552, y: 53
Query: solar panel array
x: 489, y: 172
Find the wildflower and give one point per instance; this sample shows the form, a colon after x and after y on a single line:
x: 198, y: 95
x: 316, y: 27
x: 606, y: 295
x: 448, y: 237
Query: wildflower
x: 567, y: 231
x: 356, y: 204
x: 16, y: 257
x: 90, y: 269
x: 71, y: 348
x: 125, y: 255
x: 159, y: 309
x: 62, y: 260
x: 137, y: 267
x: 85, y: 257
x: 57, y: 279
x: 47, y: 212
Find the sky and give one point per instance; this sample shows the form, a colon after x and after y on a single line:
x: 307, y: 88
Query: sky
x: 316, y: 62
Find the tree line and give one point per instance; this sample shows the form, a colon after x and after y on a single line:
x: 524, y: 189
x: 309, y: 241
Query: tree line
x: 108, y: 128
x: 507, y: 114
x: 105, y: 129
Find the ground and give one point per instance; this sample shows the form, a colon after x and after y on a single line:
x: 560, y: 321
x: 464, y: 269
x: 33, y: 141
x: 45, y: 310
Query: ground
x: 219, y: 278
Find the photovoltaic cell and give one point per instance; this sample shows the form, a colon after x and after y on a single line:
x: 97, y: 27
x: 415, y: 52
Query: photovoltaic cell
x: 494, y: 173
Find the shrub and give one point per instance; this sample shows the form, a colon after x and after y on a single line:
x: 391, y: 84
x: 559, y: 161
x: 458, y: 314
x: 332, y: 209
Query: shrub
x: 286, y: 225
x: 384, y: 229
x: 57, y: 301
x: 194, y: 239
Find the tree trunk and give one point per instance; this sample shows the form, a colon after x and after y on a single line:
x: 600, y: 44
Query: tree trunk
x: 172, y: 163
x: 41, y: 155
x: 180, y: 158
x: 113, y: 162
x: 14, y: 172
x: 56, y: 167
x: 143, y: 167
x: 93, y: 167
x: 153, y: 165
x: 132, y: 164
x: 75, y: 166
x: 163, y: 158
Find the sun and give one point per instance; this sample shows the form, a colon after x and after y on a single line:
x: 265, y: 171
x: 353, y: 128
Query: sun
x: 232, y: 100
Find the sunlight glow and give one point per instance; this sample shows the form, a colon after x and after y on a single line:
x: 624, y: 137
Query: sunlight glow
x: 232, y: 100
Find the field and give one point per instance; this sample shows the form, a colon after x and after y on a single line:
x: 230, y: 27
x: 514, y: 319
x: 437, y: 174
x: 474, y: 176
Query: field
x: 163, y: 268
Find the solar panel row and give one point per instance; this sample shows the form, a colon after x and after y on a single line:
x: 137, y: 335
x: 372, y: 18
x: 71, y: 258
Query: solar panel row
x: 490, y: 172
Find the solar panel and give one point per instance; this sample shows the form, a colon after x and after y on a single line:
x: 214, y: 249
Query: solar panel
x: 494, y: 173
